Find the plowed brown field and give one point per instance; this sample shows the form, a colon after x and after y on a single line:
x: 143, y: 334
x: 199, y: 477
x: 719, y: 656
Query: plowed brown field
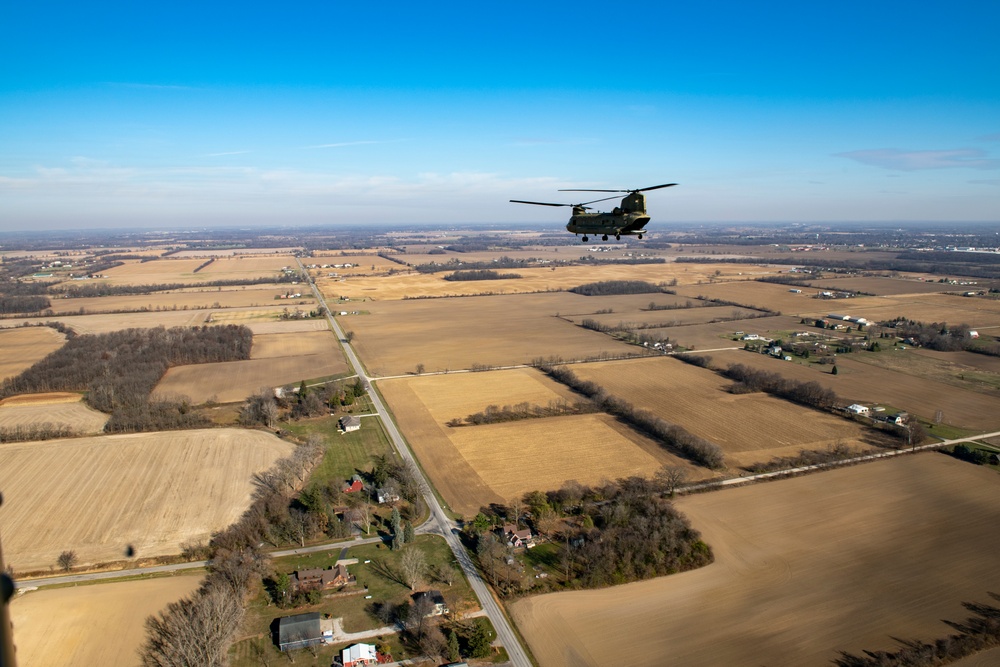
x: 805, y: 567
x: 153, y: 491
x: 65, y: 414
x: 73, y: 626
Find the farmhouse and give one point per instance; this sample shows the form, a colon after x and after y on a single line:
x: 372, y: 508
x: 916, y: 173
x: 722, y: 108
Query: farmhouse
x: 355, y: 485
x: 358, y: 654
x: 517, y: 538
x: 320, y: 579
x: 299, y: 631
x: 350, y: 423
x: 858, y: 409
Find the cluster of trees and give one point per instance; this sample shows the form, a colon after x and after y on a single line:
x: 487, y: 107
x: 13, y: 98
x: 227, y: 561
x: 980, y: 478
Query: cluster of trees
x: 119, y: 370
x: 263, y: 408
x: 494, y: 414
x: 203, y: 265
x: 674, y: 306
x: 980, y: 457
x: 625, y: 331
x: 619, y: 532
x: 15, y: 304
x: 612, y: 287
x: 32, y: 432
x: 454, y: 264
x: 481, y: 274
x: 451, y: 641
x: 934, y: 336
x: 198, y: 630
x: 750, y: 379
x: 979, y: 632
x: 672, y: 436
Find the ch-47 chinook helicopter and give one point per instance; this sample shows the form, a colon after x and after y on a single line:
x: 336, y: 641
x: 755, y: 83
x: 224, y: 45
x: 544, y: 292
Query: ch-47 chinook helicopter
x: 629, y: 218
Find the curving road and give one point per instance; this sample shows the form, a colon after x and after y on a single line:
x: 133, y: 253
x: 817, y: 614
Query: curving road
x: 440, y: 523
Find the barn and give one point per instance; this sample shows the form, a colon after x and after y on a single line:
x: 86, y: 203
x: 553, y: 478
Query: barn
x: 299, y: 631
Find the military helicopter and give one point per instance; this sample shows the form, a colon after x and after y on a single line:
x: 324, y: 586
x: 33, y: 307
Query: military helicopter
x: 628, y: 219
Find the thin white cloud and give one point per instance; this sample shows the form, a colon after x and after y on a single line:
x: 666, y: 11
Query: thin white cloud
x: 343, y: 144
x: 987, y: 181
x: 901, y: 160
x: 226, y: 153
x: 989, y: 137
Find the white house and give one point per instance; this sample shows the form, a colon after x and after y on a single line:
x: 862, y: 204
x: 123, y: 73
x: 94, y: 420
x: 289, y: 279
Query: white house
x: 858, y: 409
x: 359, y: 654
x: 350, y: 423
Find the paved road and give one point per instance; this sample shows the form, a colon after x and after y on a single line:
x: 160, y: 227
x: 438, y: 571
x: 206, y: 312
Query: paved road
x: 444, y: 526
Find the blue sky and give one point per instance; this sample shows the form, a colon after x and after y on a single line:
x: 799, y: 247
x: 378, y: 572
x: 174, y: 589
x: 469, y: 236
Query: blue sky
x: 181, y: 114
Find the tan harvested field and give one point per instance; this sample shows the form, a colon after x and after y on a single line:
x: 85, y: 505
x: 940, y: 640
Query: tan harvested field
x: 670, y: 318
x: 450, y: 334
x: 760, y: 295
x: 967, y: 370
x: 721, y: 334
x: 749, y: 427
x: 153, y: 491
x: 269, y: 346
x: 472, y: 466
x: 805, y: 567
x: 232, y: 381
x: 258, y: 320
x: 202, y: 299
x: 22, y: 347
x: 63, y: 414
x: 863, y: 383
x: 989, y: 658
x: 169, y: 270
x: 415, y: 285
x: 882, y: 286
x: 91, y: 626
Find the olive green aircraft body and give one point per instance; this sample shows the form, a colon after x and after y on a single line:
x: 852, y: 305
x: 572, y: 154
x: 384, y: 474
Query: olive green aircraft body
x: 628, y: 219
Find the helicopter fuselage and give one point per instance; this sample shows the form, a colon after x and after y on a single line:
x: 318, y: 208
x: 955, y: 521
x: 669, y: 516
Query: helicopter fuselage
x: 629, y: 218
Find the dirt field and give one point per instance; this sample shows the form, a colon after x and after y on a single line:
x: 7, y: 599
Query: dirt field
x: 761, y: 295
x: 22, y: 347
x: 100, y: 494
x: 450, y: 334
x: 259, y: 320
x: 805, y: 567
x: 857, y: 382
x: 73, y: 626
x: 72, y: 414
x: 231, y: 381
x: 749, y: 427
x: 270, y: 346
x: 201, y: 299
x: 882, y: 286
x: 670, y: 318
x: 475, y: 465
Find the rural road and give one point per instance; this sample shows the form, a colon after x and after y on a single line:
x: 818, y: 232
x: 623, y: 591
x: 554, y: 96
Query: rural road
x: 445, y: 526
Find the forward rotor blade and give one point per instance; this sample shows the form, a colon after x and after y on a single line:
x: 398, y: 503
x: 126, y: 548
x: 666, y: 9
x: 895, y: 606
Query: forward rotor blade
x: 597, y: 200
x: 595, y: 191
x: 538, y: 203
x: 655, y: 187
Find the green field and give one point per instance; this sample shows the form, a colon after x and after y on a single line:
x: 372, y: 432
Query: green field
x: 346, y: 453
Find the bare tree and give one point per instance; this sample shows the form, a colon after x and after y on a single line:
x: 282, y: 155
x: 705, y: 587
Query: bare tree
x: 671, y: 477
x: 193, y: 631
x: 413, y: 566
x: 67, y: 560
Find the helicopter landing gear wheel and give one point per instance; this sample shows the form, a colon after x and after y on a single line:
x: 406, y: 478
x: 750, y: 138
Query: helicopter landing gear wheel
x: 618, y: 237
x: 584, y: 239
x: 640, y: 237
x: 604, y: 238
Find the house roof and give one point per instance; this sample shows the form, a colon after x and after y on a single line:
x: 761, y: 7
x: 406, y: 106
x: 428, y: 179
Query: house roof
x: 350, y: 420
x: 299, y: 627
x: 356, y: 652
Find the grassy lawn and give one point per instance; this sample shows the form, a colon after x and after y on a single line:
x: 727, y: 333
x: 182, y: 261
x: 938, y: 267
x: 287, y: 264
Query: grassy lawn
x: 380, y: 576
x: 346, y: 452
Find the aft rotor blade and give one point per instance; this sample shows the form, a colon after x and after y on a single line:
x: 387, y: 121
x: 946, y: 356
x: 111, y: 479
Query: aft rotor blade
x: 538, y: 203
x: 655, y: 187
x: 597, y: 200
x: 595, y: 191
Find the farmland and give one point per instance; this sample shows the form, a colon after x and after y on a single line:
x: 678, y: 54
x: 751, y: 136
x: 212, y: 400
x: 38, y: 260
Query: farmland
x: 153, y: 491
x: 456, y: 333
x: 188, y: 299
x: 60, y: 410
x: 865, y: 383
x: 276, y: 359
x: 21, y: 347
x: 805, y: 567
x: 91, y: 626
x: 748, y: 427
x: 476, y: 465
x: 168, y: 270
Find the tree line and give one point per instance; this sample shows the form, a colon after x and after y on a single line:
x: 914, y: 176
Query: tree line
x: 748, y: 379
x: 494, y: 414
x: 671, y: 436
x: 614, y: 287
x: 481, y: 274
